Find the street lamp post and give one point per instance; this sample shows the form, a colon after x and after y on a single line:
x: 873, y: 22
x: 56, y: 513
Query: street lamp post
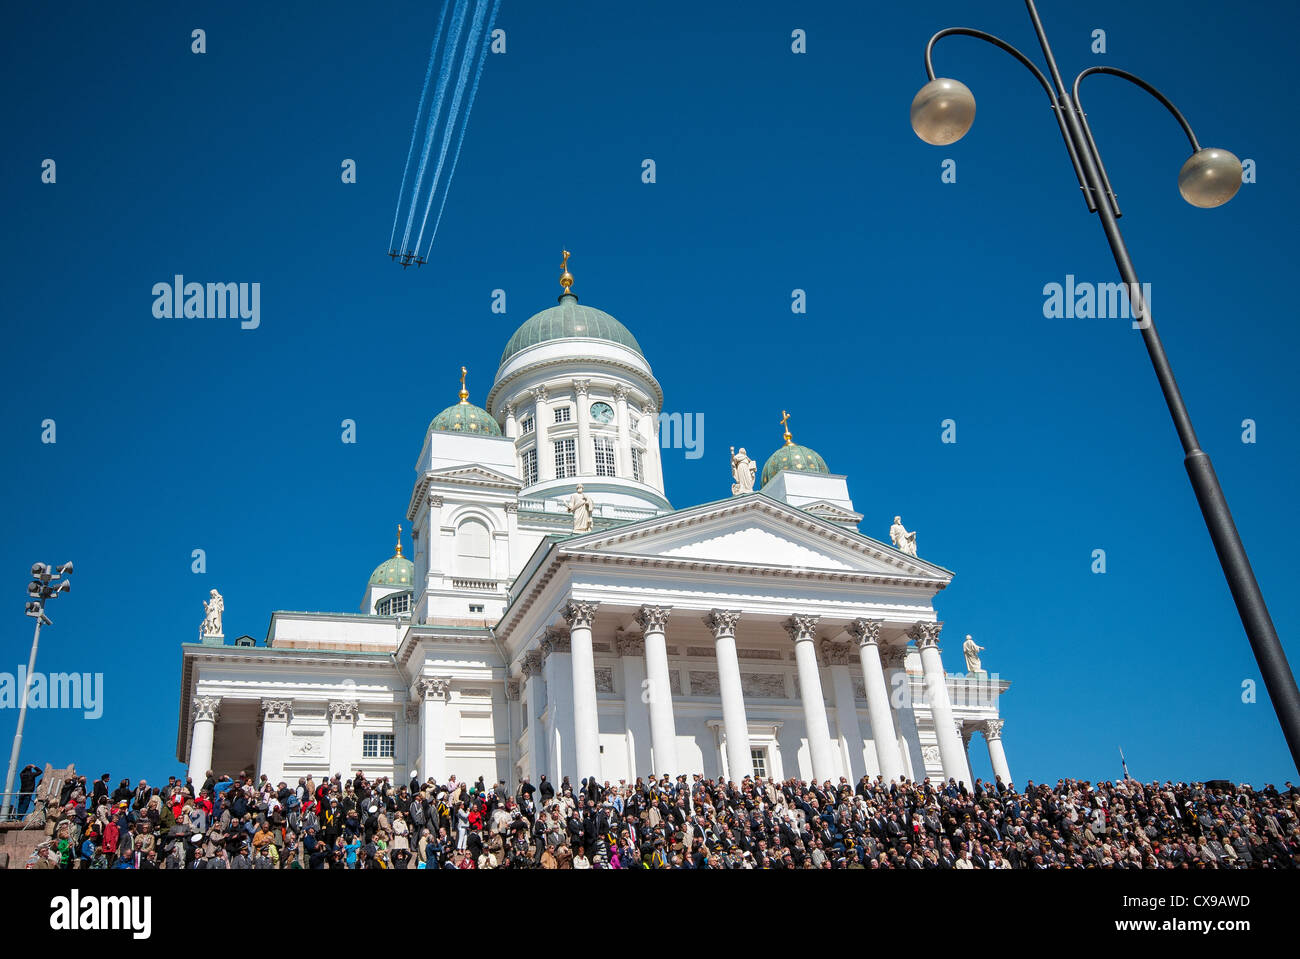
x: 943, y: 112
x: 46, y: 584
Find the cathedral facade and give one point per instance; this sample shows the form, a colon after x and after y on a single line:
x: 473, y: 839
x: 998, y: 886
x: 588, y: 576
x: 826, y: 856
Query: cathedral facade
x: 559, y: 616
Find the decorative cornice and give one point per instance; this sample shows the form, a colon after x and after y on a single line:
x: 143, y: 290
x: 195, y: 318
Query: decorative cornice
x: 993, y: 729
x: 722, y: 622
x: 207, y: 708
x: 579, y: 614
x: 342, y: 711
x: 276, y: 710
x: 653, y: 619
x: 925, y: 635
x: 836, y: 654
x: 802, y: 628
x: 866, y: 632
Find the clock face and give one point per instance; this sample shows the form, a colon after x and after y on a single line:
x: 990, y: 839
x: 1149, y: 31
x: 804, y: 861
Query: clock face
x: 602, y: 412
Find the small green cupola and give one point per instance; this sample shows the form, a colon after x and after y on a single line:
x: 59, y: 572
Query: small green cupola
x: 465, y: 417
x: 398, y: 571
x: 792, y: 456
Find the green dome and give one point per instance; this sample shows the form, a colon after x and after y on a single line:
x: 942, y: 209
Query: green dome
x: 567, y: 320
x: 792, y: 456
x: 465, y: 417
x: 398, y: 571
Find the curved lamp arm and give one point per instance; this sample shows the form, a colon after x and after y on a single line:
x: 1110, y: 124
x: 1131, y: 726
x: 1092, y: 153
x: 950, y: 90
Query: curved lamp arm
x: 987, y: 38
x: 1056, y: 102
x: 1087, y: 129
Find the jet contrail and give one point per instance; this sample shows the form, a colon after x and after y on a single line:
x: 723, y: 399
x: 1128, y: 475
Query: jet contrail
x: 444, y: 75
x: 415, y: 127
x: 446, y: 120
x: 473, y: 93
x: 462, y: 79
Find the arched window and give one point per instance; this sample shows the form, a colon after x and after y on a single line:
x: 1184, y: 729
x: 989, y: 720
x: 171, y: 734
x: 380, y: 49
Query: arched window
x: 473, y: 550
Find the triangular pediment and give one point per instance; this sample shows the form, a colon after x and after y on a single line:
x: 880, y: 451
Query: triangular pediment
x: 759, y: 532
x: 472, y: 475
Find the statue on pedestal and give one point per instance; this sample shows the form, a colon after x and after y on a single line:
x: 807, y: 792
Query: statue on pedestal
x: 213, y: 608
x: 742, y: 471
x: 903, y: 541
x: 581, y: 506
x: 972, y: 651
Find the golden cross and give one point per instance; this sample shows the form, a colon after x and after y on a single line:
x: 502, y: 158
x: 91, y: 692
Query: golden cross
x: 785, y: 422
x: 464, y: 393
x: 565, y: 264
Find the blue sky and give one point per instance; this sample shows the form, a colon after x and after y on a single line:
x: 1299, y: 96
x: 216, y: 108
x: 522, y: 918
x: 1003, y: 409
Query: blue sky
x: 775, y: 171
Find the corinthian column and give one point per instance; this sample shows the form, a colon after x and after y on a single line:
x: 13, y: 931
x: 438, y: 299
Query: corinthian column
x: 883, y: 733
x: 951, y: 753
x: 206, y: 710
x: 803, y: 633
x: 997, y: 755
x: 586, y: 720
x: 653, y: 621
x: 581, y: 413
x: 722, y: 623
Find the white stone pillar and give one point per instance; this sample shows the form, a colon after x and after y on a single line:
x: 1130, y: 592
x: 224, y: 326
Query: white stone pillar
x: 997, y: 755
x: 582, y: 413
x: 557, y: 673
x: 903, y: 708
x: 856, y: 758
x: 883, y: 734
x: 586, y: 718
x: 205, y: 710
x: 722, y: 623
x: 411, y: 742
x: 434, y: 535
x: 343, y: 719
x: 803, y: 633
x: 951, y: 754
x: 512, y: 425
x: 636, y: 713
x: 653, y: 621
x: 623, y: 449
x: 533, y: 693
x: 275, y: 736
x: 432, y: 694
x: 653, y: 460
x: 542, y: 423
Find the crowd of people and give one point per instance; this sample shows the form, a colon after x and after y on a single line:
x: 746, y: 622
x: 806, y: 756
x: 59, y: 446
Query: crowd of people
x: 353, y: 822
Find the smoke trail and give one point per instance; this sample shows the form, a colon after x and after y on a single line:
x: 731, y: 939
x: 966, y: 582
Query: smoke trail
x: 419, y: 110
x: 444, y: 76
x: 469, y: 107
x: 462, y: 80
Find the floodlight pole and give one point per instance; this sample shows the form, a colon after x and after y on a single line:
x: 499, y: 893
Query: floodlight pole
x: 22, y: 718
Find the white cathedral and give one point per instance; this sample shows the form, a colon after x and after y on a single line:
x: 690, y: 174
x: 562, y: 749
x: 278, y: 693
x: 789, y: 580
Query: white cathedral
x: 561, y: 617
